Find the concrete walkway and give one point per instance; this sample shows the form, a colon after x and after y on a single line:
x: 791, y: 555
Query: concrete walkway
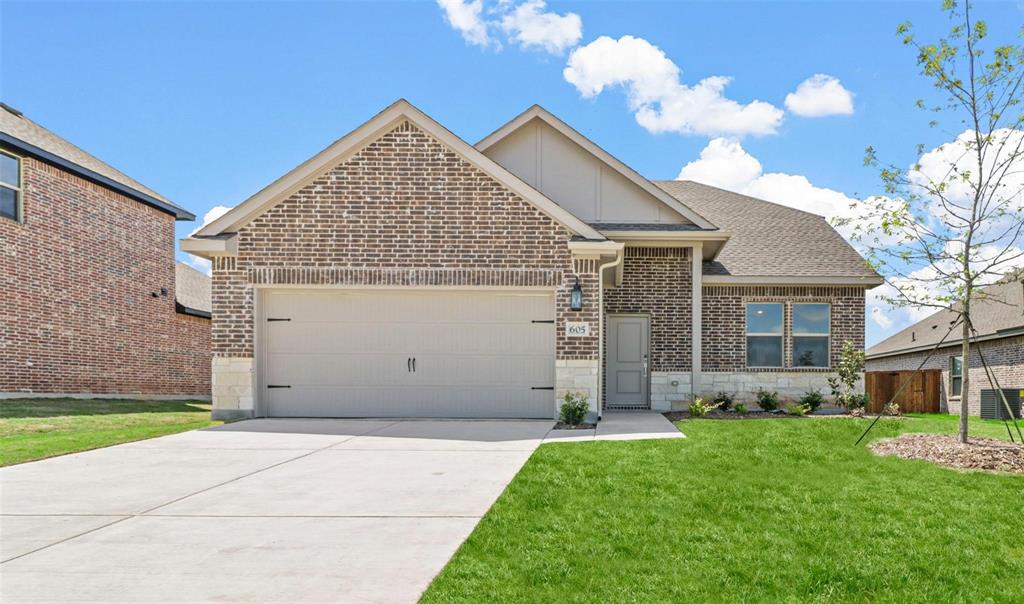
x: 621, y: 425
x: 262, y: 510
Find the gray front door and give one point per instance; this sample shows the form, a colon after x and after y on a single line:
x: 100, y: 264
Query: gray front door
x: 626, y: 362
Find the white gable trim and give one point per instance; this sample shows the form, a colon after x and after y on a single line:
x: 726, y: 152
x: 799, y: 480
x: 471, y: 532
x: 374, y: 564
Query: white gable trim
x: 353, y: 142
x: 569, y: 132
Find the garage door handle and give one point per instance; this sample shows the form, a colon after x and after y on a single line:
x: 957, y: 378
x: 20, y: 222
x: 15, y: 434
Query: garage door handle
x: 271, y: 320
x: 408, y: 364
x: 414, y: 364
x: 277, y: 386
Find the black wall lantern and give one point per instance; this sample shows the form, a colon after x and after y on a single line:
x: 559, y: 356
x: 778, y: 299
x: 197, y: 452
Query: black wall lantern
x: 576, y: 298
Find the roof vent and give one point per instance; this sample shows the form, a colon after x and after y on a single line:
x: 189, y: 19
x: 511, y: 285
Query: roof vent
x: 10, y: 109
x: 913, y: 337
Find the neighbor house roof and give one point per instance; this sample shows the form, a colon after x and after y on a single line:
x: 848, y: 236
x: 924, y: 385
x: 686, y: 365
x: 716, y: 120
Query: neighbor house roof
x: 771, y: 242
x: 998, y: 313
x: 26, y: 136
x: 191, y: 291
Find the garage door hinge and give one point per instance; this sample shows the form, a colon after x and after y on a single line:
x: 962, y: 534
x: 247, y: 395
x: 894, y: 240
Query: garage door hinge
x: 269, y: 320
x: 552, y: 321
x: 277, y: 386
x: 542, y: 388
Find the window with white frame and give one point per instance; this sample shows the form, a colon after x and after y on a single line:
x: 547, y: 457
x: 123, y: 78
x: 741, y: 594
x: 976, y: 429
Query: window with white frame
x: 764, y: 334
x: 811, y: 331
x: 10, y: 186
x: 956, y: 375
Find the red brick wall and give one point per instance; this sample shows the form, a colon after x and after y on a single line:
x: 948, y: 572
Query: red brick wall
x: 405, y: 210
x: 723, y: 311
x: 77, y: 313
x: 1004, y: 356
x: 657, y: 281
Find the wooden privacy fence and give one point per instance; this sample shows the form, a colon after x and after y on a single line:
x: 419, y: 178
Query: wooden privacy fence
x: 921, y: 395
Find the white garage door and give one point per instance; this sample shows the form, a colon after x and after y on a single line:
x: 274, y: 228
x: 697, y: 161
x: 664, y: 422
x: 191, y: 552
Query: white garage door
x: 389, y: 353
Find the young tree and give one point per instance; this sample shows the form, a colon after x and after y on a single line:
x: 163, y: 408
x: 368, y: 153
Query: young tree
x: 953, y: 221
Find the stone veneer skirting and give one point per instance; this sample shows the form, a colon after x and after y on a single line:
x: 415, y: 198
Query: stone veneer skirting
x: 671, y: 390
x: 577, y: 376
x: 233, y: 388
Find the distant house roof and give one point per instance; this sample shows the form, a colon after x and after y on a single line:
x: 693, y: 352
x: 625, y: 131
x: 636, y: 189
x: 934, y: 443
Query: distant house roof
x: 998, y: 314
x: 192, y: 291
x: 26, y: 136
x: 771, y: 240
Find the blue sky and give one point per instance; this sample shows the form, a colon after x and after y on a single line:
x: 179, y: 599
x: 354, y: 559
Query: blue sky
x: 207, y: 102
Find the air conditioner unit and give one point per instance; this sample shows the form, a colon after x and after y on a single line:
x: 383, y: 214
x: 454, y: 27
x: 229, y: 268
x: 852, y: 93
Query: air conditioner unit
x: 992, y: 404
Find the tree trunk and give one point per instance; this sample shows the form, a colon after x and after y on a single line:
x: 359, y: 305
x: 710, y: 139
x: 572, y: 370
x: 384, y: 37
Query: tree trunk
x: 965, y: 364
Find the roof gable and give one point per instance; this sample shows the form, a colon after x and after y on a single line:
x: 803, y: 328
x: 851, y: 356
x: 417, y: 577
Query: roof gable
x: 353, y: 142
x: 548, y: 140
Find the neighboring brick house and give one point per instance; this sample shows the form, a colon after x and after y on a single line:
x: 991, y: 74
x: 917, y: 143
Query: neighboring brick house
x: 405, y: 272
x: 89, y: 300
x: 998, y: 317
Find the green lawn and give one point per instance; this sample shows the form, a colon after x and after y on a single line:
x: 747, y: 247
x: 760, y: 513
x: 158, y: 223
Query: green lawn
x: 37, y: 428
x: 746, y: 511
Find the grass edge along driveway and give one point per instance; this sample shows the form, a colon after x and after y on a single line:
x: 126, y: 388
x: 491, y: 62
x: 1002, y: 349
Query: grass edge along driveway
x: 748, y: 511
x: 35, y: 428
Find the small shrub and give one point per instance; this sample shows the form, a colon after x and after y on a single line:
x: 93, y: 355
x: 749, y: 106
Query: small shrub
x: 741, y: 408
x: 698, y: 408
x: 892, y: 409
x: 769, y: 401
x: 574, y: 408
x: 812, y: 399
x: 796, y: 409
x: 849, y: 370
x: 724, y: 400
x: 858, y: 401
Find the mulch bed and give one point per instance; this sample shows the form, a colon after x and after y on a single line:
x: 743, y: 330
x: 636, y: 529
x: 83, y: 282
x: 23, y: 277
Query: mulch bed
x: 674, y: 416
x: 561, y: 426
x: 978, y: 454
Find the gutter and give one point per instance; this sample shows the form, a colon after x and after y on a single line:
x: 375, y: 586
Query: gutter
x: 181, y: 309
x: 50, y: 158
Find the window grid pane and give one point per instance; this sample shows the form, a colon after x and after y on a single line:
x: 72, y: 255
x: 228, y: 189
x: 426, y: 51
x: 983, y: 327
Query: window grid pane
x: 764, y: 351
x: 764, y: 319
x: 10, y: 174
x: 810, y: 351
x: 812, y: 319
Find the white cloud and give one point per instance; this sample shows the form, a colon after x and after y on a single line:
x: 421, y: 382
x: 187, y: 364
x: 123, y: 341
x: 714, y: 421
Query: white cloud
x: 212, y: 214
x: 467, y: 19
x: 532, y: 27
x: 820, y: 95
x: 200, y: 264
x: 661, y: 102
x: 724, y: 163
x: 880, y: 318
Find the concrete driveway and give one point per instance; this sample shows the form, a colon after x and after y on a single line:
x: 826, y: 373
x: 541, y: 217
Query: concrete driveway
x: 262, y: 510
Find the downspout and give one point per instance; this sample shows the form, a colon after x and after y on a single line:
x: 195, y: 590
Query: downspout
x: 619, y: 253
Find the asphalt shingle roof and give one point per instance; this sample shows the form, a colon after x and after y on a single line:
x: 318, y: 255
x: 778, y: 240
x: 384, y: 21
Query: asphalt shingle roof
x: 16, y: 125
x: 191, y: 288
x: 1000, y: 310
x: 768, y: 239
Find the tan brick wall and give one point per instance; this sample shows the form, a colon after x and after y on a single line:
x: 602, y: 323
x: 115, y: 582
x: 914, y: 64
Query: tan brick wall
x: 724, y: 322
x: 1004, y: 356
x: 404, y: 211
x: 77, y: 314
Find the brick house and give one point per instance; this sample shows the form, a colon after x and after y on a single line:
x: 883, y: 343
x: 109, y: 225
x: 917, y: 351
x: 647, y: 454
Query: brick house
x: 404, y: 272
x: 998, y: 317
x: 90, y: 304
